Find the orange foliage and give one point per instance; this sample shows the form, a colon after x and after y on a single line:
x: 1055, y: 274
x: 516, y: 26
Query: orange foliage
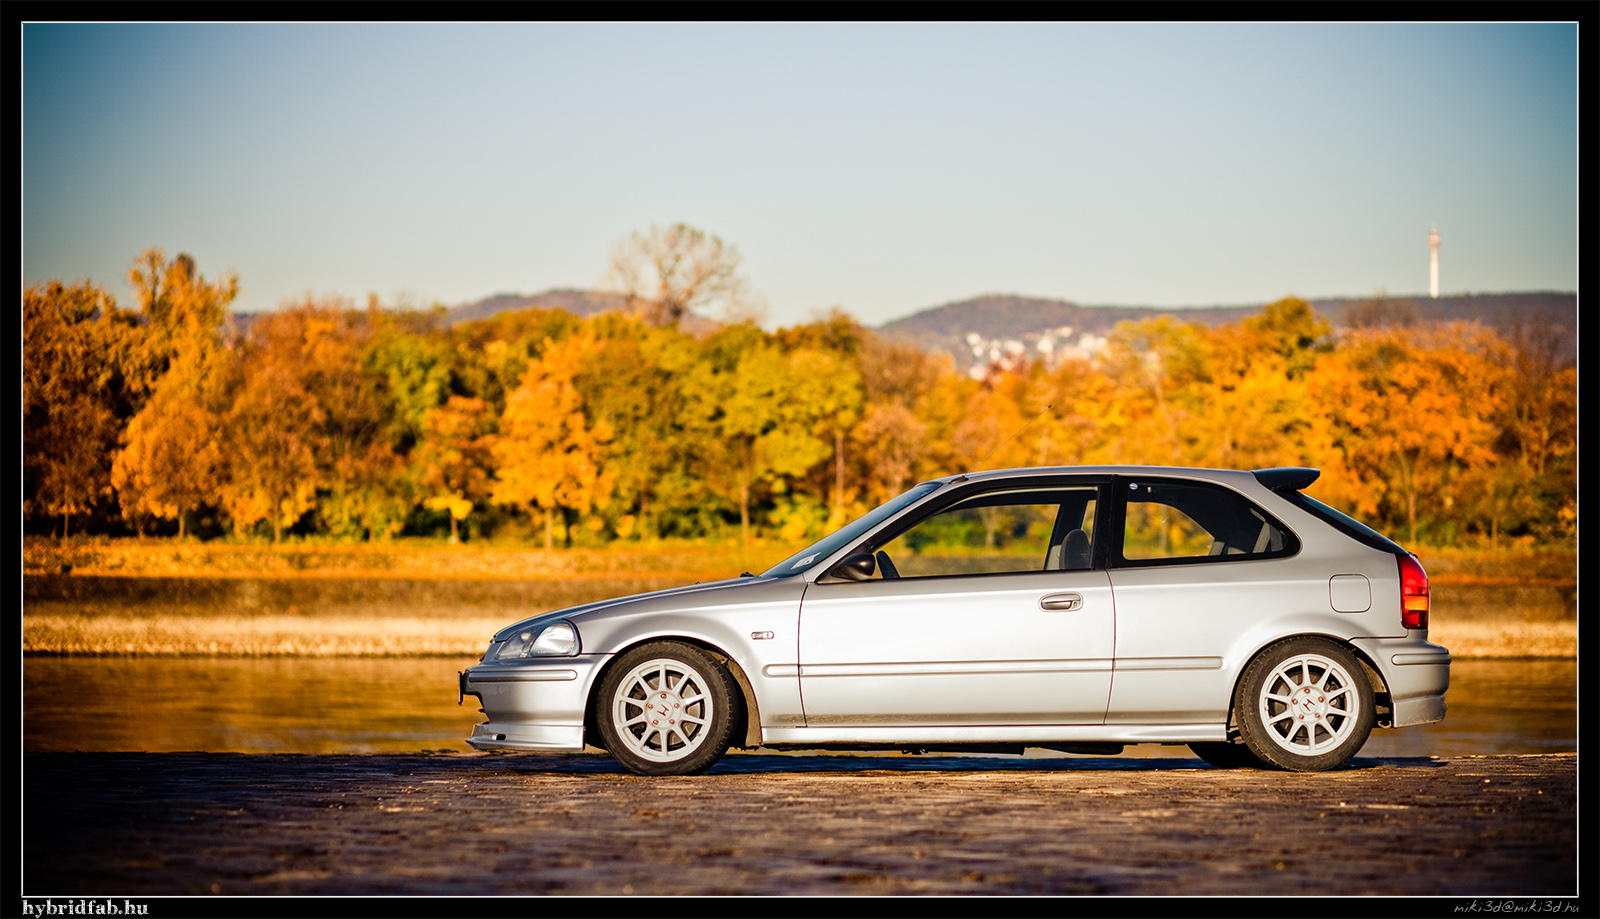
x: 1440, y: 433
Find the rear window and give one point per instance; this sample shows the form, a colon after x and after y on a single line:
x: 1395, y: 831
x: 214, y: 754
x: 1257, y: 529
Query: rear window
x: 1344, y: 523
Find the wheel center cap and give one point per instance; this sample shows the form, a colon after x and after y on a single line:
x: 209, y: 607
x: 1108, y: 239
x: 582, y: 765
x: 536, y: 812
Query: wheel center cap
x: 1311, y: 702
x: 664, y: 707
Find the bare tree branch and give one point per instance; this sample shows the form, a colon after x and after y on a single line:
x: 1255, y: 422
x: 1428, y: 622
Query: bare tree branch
x: 672, y: 271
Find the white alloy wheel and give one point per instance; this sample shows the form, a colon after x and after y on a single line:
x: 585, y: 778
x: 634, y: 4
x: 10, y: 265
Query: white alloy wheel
x: 1309, y: 707
x: 668, y: 710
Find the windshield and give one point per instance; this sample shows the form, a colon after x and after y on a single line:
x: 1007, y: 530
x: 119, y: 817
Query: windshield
x: 832, y: 543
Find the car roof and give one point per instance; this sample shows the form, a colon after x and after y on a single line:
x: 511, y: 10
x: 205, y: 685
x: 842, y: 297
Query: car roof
x: 1191, y: 472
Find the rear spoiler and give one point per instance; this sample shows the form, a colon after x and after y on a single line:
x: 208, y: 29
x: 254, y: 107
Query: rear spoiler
x: 1287, y: 478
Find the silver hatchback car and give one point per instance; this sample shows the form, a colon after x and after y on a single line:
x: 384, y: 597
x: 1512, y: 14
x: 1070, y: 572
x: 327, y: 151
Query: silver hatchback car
x: 1076, y: 609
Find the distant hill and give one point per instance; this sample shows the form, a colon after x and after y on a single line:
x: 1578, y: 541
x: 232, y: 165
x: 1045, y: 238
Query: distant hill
x: 576, y: 302
x: 984, y: 328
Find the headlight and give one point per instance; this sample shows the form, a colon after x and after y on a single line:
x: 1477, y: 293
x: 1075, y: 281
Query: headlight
x: 558, y: 639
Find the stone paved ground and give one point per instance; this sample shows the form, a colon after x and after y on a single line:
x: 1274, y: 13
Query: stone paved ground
x: 109, y: 824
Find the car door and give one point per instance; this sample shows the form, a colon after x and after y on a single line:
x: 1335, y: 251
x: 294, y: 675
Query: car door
x: 988, y: 611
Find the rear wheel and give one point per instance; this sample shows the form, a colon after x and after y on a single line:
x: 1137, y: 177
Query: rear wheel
x: 1304, y: 705
x: 668, y: 709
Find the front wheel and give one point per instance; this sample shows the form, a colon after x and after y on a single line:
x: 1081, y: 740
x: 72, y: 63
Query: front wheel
x: 1304, y: 705
x: 668, y: 709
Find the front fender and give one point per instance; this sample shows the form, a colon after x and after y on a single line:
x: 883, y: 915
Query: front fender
x: 757, y: 630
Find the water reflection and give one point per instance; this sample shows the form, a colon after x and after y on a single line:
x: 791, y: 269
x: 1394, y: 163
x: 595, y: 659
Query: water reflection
x: 244, y: 705
x: 366, y: 705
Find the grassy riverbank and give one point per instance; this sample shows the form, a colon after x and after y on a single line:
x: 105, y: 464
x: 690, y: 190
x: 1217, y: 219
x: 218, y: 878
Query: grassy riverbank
x: 162, y: 598
x: 420, y: 559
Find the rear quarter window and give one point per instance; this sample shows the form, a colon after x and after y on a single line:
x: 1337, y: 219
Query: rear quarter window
x: 1178, y: 522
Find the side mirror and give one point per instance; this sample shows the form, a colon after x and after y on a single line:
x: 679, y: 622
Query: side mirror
x: 857, y: 567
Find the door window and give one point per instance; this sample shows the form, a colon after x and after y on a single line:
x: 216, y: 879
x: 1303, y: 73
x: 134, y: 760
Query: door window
x: 1049, y: 529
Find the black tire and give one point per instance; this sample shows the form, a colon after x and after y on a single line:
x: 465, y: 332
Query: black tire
x: 1225, y: 754
x: 1304, y: 705
x: 697, y: 700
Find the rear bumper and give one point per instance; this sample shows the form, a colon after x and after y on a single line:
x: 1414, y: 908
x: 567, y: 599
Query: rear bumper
x: 1417, y: 674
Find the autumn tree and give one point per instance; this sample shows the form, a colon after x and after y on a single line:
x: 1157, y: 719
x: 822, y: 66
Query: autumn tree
x: 76, y: 351
x: 490, y: 355
x: 1158, y: 366
x: 987, y: 436
x: 830, y: 385
x: 1252, y: 410
x: 170, y: 463
x: 1290, y: 331
x: 889, y: 441
x: 631, y: 380
x: 1083, y: 412
x: 363, y: 489
x: 1539, y: 422
x: 548, y: 453
x: 171, y: 459
x: 453, y: 461
x: 183, y: 314
x: 671, y: 271
x: 912, y: 401
x: 275, y: 422
x: 1408, y: 413
x: 1532, y: 483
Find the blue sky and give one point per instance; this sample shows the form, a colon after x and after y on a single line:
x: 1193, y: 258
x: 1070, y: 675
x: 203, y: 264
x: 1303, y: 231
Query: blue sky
x: 879, y: 168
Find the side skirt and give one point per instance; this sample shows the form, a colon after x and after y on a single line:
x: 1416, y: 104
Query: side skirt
x: 1033, y: 735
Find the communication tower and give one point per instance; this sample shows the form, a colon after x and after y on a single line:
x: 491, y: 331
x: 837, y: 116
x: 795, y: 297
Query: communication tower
x: 1433, y: 262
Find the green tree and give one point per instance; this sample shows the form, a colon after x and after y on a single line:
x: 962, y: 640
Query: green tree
x: 752, y: 398
x: 416, y: 364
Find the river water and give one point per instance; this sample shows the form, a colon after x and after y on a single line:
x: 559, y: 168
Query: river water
x: 389, y: 705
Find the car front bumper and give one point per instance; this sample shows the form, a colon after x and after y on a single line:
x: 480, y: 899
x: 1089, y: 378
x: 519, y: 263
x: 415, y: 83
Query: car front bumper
x: 532, y: 705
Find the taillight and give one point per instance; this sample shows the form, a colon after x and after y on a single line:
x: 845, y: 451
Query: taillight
x: 1413, y: 593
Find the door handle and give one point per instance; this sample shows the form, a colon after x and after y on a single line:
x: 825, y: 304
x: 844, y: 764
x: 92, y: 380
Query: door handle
x: 1066, y: 602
